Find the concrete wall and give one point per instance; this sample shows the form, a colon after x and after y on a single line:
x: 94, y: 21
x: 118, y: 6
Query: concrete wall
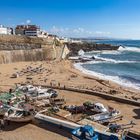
x: 21, y: 48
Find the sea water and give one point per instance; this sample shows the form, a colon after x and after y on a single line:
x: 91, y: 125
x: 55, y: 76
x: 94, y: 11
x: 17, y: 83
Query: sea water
x: 121, y: 66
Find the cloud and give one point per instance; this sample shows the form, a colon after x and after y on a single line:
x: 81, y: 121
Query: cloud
x: 28, y: 21
x: 77, y: 32
x: 102, y: 33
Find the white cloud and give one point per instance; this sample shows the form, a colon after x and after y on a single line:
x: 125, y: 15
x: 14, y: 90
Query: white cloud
x: 78, y: 32
x: 102, y: 33
x: 28, y: 21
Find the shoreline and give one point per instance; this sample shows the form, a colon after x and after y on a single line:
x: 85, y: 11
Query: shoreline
x: 127, y: 86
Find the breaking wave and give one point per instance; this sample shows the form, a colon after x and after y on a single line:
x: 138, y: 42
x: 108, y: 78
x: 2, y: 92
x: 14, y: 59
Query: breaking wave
x: 131, y: 49
x: 119, y: 80
x: 108, y: 60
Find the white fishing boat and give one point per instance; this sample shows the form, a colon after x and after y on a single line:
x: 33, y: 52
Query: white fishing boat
x: 27, y: 88
x: 104, y: 117
x: 38, y: 92
x: 42, y: 94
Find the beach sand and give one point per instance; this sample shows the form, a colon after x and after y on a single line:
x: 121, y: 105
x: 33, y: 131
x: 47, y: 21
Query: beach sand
x: 31, y: 132
x: 64, y: 73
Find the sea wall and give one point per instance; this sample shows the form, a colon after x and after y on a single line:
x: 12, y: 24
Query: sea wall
x: 21, y: 48
x: 21, y: 55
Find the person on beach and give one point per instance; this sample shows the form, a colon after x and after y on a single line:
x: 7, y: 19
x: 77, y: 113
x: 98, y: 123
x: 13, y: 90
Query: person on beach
x: 26, y: 98
x: 9, y: 102
x: 10, y: 90
x: 59, y: 84
x: 51, y: 84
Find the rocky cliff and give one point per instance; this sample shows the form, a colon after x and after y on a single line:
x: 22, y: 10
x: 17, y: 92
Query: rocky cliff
x: 87, y: 47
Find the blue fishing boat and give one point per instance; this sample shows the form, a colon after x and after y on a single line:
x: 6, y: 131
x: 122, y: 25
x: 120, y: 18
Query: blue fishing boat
x: 87, y: 132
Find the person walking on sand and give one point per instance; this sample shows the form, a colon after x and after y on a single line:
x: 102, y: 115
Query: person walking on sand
x: 59, y: 84
x: 51, y: 84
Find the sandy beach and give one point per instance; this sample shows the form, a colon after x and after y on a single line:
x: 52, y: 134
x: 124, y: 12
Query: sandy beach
x: 63, y: 73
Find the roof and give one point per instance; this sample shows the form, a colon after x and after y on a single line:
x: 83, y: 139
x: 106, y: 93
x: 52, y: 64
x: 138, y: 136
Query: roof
x: 27, y: 27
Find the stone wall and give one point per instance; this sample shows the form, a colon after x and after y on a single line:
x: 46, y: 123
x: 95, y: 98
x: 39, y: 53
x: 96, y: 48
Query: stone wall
x: 21, y: 48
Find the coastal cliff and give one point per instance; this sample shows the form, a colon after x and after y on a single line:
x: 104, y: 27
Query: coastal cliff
x: 87, y: 47
x: 15, y: 48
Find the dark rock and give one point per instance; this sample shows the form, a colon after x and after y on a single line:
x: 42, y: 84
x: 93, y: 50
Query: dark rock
x: 87, y: 47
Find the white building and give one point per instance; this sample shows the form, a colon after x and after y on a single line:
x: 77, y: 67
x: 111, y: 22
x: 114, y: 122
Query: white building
x: 32, y: 32
x: 5, y: 30
x: 43, y: 34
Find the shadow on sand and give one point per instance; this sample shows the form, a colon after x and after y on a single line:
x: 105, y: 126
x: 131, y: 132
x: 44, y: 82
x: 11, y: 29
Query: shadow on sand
x: 52, y: 128
x: 137, y: 112
x: 13, y: 125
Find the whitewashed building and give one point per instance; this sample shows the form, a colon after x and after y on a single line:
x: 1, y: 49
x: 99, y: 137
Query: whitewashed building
x: 5, y: 30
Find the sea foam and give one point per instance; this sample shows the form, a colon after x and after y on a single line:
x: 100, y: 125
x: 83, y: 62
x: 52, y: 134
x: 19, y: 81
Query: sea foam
x: 115, y: 79
x: 108, y: 60
x: 131, y: 49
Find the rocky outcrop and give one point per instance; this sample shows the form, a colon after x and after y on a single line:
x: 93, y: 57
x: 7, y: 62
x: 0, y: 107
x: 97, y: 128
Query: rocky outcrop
x: 87, y: 47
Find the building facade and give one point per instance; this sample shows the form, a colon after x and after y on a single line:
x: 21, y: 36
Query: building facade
x: 5, y: 30
x: 29, y: 30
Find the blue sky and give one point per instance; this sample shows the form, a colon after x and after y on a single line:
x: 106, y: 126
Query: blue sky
x: 78, y: 18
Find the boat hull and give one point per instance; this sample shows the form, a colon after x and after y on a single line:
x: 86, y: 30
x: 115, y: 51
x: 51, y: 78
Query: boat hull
x: 20, y: 120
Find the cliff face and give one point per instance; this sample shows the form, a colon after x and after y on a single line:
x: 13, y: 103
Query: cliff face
x: 87, y: 47
x: 20, y: 48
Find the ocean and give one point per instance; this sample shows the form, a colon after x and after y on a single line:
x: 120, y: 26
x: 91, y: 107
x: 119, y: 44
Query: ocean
x: 121, y: 66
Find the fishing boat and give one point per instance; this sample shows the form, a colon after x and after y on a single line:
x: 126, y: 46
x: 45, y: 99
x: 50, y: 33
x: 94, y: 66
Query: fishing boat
x: 105, y: 117
x: 96, y: 107
x: 37, y: 92
x: 87, y: 132
x: 18, y: 115
x: 23, y: 113
x: 74, y: 128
